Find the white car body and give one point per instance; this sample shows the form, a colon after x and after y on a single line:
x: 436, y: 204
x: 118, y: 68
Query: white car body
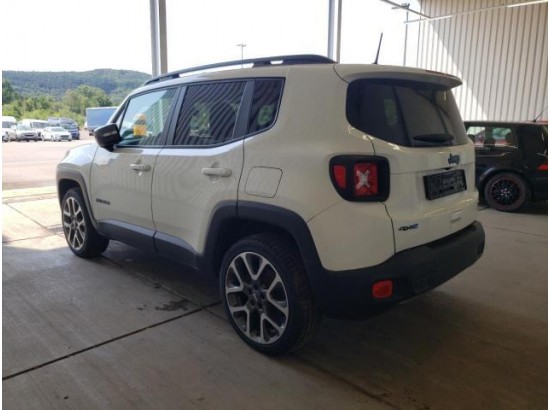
x: 8, y: 128
x: 56, y: 134
x: 283, y: 179
x: 36, y: 125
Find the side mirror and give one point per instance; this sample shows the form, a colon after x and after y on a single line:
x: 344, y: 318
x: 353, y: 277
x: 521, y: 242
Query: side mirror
x: 107, y: 136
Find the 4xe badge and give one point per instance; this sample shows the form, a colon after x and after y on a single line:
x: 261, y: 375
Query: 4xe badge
x: 408, y: 228
x: 453, y: 159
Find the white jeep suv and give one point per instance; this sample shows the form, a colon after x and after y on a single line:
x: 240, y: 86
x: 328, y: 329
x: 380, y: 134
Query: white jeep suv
x: 309, y: 187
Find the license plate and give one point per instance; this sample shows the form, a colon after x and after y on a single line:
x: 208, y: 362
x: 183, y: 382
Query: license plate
x: 445, y: 184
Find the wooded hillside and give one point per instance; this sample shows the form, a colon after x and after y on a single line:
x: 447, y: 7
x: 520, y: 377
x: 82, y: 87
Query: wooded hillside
x: 115, y: 83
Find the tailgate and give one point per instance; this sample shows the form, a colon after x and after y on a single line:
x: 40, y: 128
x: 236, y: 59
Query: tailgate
x: 429, y: 198
x: 414, y: 123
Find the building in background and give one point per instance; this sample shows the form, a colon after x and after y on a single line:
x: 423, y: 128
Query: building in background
x: 499, y: 51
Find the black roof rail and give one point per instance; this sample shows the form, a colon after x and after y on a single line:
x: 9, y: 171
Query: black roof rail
x: 257, y: 62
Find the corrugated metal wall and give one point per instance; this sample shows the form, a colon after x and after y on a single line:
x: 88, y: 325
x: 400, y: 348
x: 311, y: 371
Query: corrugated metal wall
x: 501, y: 55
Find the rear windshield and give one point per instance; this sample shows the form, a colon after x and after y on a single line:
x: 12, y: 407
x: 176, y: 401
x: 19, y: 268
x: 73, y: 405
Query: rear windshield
x: 410, y: 114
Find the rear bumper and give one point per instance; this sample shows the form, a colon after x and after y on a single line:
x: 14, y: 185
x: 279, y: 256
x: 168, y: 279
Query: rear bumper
x: 413, y: 271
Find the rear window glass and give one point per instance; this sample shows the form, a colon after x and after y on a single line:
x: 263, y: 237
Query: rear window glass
x: 267, y: 94
x: 405, y: 113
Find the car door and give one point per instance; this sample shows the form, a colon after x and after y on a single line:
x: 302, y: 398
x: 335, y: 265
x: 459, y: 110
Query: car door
x: 121, y: 179
x: 200, y: 168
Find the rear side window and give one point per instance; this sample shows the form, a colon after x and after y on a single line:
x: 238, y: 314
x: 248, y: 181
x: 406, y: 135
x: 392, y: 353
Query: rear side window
x: 405, y: 113
x: 265, y: 104
x: 209, y: 113
x: 492, y: 136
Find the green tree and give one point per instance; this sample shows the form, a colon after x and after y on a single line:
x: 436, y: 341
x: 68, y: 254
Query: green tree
x: 8, y: 93
x: 84, y: 96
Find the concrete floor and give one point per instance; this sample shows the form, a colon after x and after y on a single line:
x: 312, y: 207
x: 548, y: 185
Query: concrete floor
x: 130, y: 330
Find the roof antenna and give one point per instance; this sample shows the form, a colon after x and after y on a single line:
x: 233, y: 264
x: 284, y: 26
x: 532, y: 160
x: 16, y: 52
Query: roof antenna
x: 379, y: 46
x: 540, y: 115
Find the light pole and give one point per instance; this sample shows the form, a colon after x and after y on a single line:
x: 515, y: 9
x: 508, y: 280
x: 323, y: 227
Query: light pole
x: 406, y: 7
x: 242, y: 46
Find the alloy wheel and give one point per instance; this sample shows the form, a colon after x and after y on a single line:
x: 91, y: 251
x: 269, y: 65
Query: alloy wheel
x: 256, y: 298
x: 505, y: 191
x: 74, y: 223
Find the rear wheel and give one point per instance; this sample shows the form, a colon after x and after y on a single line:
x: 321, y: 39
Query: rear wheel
x: 506, y: 192
x: 81, y: 236
x: 266, y: 294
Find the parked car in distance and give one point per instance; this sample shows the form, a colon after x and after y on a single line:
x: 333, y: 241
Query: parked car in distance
x: 36, y: 125
x: 511, y: 162
x: 8, y: 128
x: 25, y: 133
x: 56, y: 134
x: 72, y: 127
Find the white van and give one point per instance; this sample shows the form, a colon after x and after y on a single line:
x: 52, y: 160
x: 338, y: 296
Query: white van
x: 8, y: 128
x: 36, y: 125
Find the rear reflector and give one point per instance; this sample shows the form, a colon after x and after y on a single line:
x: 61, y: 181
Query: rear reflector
x: 543, y: 167
x: 382, y: 289
x: 340, y: 175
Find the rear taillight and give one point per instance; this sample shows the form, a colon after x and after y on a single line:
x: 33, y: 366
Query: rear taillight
x: 365, y: 179
x: 543, y: 167
x: 360, y: 178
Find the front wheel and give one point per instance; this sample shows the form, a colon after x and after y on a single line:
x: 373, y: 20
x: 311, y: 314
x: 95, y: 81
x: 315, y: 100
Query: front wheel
x: 506, y: 192
x: 266, y: 295
x: 81, y: 236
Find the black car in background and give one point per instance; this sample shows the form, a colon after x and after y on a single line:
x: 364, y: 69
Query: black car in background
x: 511, y: 162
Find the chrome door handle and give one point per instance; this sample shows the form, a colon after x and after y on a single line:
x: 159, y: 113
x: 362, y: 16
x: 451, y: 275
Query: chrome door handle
x: 141, y: 167
x: 217, y: 172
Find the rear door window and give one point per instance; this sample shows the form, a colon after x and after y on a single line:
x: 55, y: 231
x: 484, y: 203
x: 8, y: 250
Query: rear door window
x: 209, y: 114
x: 405, y: 113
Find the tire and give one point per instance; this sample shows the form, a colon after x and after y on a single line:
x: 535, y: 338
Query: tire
x: 79, y: 231
x: 266, y: 295
x: 506, y: 192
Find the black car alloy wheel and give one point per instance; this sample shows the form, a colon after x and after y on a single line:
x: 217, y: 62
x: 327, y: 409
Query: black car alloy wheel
x: 506, y: 192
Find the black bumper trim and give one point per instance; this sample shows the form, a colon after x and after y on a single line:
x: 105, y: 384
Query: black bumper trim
x: 413, y: 271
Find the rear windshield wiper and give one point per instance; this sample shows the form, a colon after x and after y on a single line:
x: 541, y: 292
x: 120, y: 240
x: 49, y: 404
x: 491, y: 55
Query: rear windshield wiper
x: 434, y: 138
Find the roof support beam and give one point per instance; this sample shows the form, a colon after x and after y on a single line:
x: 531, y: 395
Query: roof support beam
x: 159, y: 54
x: 334, y: 29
